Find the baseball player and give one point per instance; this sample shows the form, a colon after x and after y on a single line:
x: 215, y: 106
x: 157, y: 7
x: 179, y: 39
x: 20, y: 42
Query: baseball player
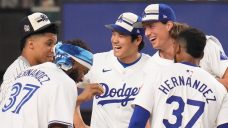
x: 38, y: 36
x: 182, y: 94
x: 158, y: 20
x: 45, y: 95
x: 119, y: 71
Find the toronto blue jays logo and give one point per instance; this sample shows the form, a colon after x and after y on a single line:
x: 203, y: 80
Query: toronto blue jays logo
x: 42, y: 18
x: 123, y: 95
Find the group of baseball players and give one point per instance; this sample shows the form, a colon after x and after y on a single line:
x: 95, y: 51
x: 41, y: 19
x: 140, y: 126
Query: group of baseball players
x: 184, y: 84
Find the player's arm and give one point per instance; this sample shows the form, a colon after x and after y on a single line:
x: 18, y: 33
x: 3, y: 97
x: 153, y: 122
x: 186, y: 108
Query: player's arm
x: 139, y: 118
x: 148, y: 124
x: 215, y: 60
x: 87, y: 94
x: 143, y: 102
x: 78, y: 121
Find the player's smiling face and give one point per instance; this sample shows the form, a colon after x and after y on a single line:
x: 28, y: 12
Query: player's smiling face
x: 157, y: 33
x: 42, y: 47
x: 123, y: 47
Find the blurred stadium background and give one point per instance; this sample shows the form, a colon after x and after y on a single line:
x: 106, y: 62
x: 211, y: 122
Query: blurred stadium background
x: 85, y: 19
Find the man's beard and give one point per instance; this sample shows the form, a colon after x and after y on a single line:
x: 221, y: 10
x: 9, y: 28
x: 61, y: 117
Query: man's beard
x: 73, y: 74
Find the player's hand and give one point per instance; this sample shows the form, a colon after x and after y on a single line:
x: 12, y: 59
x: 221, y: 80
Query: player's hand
x: 90, y: 91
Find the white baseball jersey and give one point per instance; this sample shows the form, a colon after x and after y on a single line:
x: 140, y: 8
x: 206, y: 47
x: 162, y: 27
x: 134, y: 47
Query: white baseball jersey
x: 40, y: 95
x: 156, y: 62
x: 113, y: 109
x: 11, y: 73
x: 15, y: 68
x: 214, y: 60
x: 180, y: 95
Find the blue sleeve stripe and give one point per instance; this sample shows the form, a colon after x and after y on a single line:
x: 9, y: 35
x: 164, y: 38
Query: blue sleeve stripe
x: 139, y: 118
x: 223, y: 125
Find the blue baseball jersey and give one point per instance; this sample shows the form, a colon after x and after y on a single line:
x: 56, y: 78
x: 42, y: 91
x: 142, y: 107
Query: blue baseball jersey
x: 182, y: 95
x: 113, y: 108
x: 39, y: 96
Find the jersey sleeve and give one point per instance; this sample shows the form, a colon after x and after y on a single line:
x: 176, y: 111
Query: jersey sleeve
x: 222, y: 118
x: 139, y: 117
x: 146, y: 94
x: 61, y: 104
x: 215, y: 60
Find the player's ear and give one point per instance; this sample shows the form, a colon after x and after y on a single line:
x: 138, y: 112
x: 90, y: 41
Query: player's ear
x: 169, y: 25
x: 138, y: 40
x: 31, y: 44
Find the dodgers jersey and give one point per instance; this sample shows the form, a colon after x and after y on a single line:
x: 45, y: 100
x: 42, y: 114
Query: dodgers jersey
x: 214, y: 60
x: 40, y: 95
x: 113, y: 109
x: 156, y: 62
x: 183, y: 96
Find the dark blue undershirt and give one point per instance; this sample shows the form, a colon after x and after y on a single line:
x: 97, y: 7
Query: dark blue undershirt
x: 139, y: 117
x: 223, y: 125
x: 127, y: 65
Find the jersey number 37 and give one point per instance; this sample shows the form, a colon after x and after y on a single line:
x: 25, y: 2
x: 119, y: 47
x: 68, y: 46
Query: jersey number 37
x: 17, y: 88
x: 178, y: 112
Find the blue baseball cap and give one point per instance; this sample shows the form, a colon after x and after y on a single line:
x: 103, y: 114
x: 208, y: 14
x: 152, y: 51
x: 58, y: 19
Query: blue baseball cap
x: 158, y: 12
x: 125, y: 24
x: 64, y: 53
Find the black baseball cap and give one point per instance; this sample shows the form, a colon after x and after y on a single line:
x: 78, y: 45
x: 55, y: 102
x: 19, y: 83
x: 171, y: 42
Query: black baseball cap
x: 36, y: 23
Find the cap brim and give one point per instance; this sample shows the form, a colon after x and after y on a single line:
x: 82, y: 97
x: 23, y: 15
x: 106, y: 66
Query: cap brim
x: 155, y: 20
x: 118, y: 28
x: 138, y: 24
